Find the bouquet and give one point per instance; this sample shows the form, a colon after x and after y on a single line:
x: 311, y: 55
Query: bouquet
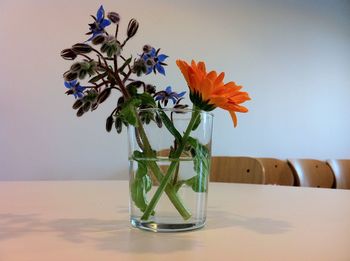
x: 100, y: 67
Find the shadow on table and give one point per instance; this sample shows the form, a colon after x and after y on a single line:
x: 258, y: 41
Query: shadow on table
x: 116, y: 235
x: 108, y: 235
x: 217, y: 219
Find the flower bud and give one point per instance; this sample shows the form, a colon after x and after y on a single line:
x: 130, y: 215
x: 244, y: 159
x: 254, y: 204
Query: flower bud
x: 104, y: 95
x: 120, y: 101
x: 70, y: 76
x: 75, y: 67
x: 81, y: 48
x: 139, y: 67
x: 94, y: 106
x: 132, y: 28
x: 87, y: 106
x: 114, y: 17
x: 147, y: 48
x: 80, y: 112
x: 69, y: 92
x: 68, y: 54
x: 180, y: 106
x: 111, y: 47
x: 77, y: 104
x: 99, y: 39
x: 109, y: 123
x: 158, y: 120
x: 118, y: 125
x: 82, y: 74
x: 151, y: 89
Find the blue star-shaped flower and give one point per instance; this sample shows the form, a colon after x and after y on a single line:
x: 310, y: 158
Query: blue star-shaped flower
x: 154, y: 62
x: 74, y: 88
x: 168, y: 94
x: 97, y: 27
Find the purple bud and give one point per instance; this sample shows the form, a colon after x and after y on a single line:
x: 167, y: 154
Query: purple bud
x: 70, y: 76
x: 77, y: 104
x: 114, y: 17
x: 104, y: 95
x: 133, y: 26
x: 99, y: 39
x: 81, y: 48
x: 147, y: 48
x: 68, y: 54
x: 80, y: 112
x: 109, y: 123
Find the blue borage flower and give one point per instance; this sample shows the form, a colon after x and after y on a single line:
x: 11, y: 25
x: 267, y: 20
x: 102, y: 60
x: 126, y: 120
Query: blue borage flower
x: 154, y: 62
x: 168, y: 94
x: 74, y: 88
x: 97, y: 27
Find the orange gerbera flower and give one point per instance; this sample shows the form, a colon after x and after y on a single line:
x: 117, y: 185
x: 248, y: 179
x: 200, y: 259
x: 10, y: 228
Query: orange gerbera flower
x: 208, y: 91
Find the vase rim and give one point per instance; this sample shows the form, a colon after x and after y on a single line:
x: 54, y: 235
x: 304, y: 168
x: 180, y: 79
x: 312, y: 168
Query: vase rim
x: 176, y: 110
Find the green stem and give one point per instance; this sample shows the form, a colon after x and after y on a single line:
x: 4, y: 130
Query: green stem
x: 176, y: 175
x: 169, y: 190
x: 165, y: 181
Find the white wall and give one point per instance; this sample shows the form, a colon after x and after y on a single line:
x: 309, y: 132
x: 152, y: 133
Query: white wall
x: 293, y: 57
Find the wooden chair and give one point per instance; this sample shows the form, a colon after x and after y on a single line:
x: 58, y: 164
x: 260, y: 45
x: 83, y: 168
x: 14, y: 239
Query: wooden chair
x: 312, y: 173
x: 341, y: 170
x: 237, y: 170
x: 277, y: 172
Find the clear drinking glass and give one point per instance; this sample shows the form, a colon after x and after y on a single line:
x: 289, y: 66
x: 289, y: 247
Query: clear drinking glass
x: 172, y: 147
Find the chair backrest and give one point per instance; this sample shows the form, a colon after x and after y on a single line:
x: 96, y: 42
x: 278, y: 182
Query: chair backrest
x: 312, y: 173
x: 237, y: 170
x: 277, y: 172
x: 341, y: 170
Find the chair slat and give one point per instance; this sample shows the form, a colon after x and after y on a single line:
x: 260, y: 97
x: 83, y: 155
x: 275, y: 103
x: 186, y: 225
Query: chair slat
x: 237, y: 170
x: 312, y: 173
x: 277, y: 172
x: 341, y: 170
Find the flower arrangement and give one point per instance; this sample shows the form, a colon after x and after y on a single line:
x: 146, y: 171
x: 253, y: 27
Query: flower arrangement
x: 101, y: 64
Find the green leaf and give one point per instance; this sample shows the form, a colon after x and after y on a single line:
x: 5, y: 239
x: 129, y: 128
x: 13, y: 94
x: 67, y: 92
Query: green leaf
x: 126, y: 63
x: 142, y: 183
x: 128, y: 111
x: 132, y: 90
x: 138, y: 192
x: 147, y: 99
x: 201, y: 165
x: 98, y: 77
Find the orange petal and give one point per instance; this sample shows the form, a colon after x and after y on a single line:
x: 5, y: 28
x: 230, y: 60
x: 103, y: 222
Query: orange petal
x: 201, y: 67
x: 212, y: 76
x: 234, y: 118
x: 219, y: 79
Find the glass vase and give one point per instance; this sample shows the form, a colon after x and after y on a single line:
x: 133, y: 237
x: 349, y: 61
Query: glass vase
x: 169, y: 166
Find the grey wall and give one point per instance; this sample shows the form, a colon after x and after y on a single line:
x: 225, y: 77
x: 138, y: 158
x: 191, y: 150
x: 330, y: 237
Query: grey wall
x: 293, y: 57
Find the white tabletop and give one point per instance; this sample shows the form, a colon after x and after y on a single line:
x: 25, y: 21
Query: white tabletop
x: 88, y: 220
